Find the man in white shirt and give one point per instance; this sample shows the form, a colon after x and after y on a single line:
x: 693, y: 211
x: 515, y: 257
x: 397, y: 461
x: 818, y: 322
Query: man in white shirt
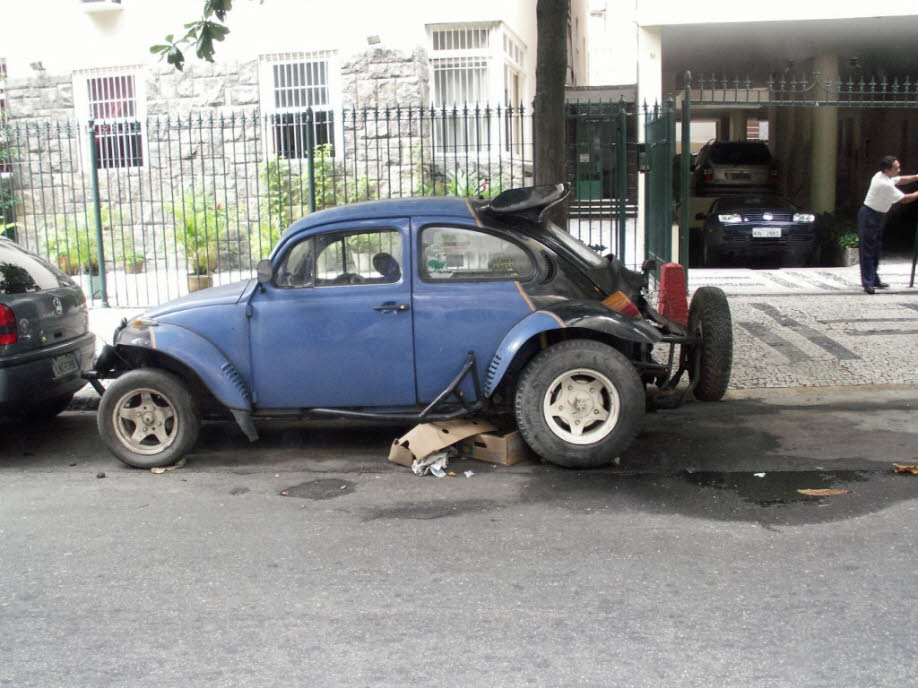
x: 871, y: 218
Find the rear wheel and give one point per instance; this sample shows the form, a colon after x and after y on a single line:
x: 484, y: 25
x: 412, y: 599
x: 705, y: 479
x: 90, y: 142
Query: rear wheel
x: 147, y: 418
x: 711, y: 362
x: 579, y: 404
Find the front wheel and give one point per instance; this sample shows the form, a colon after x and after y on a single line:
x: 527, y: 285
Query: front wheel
x: 147, y: 418
x: 579, y: 403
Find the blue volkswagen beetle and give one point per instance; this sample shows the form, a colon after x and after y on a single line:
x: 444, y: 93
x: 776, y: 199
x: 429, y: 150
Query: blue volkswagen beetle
x: 416, y: 310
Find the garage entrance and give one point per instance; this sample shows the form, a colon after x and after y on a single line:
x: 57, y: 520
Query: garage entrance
x: 825, y: 136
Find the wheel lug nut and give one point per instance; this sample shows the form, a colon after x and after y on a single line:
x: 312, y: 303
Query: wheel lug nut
x: 595, y: 410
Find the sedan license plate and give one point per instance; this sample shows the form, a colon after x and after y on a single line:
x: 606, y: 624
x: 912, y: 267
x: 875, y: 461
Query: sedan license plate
x: 766, y: 232
x: 64, y: 365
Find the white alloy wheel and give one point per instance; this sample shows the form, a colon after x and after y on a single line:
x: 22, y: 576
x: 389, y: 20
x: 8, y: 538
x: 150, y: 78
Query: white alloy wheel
x: 581, y: 406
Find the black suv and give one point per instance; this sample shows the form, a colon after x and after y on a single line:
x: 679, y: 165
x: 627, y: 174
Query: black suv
x: 734, y: 167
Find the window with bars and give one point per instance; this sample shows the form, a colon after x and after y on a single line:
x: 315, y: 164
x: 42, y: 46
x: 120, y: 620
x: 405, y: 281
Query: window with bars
x: 475, y: 65
x: 114, y: 108
x: 295, y: 86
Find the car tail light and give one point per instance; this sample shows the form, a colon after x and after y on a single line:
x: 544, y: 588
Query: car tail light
x: 708, y: 174
x: 620, y: 303
x: 7, y: 326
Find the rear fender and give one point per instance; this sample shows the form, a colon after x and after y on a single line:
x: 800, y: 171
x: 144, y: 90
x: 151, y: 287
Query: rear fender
x: 588, y: 315
x: 217, y: 373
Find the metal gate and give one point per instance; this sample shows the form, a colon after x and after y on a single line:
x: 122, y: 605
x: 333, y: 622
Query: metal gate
x: 598, y: 166
x: 658, y: 154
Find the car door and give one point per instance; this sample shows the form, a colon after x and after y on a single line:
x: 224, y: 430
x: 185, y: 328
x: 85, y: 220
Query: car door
x: 468, y: 293
x: 333, y: 328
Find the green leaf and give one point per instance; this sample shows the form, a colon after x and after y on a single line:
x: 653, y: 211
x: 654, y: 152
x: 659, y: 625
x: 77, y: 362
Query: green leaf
x: 159, y: 48
x: 176, y: 58
x: 170, y: 38
x: 218, y: 7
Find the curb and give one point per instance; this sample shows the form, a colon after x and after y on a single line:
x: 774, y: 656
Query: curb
x: 85, y: 402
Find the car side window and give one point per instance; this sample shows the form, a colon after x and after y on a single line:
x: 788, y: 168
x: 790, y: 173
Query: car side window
x: 342, y: 258
x: 460, y: 254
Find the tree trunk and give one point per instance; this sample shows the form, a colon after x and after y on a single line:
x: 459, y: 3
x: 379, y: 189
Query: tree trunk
x: 548, y: 108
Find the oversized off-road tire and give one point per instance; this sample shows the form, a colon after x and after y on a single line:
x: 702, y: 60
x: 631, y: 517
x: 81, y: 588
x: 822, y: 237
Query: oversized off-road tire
x: 711, y: 362
x: 147, y: 418
x: 579, y: 403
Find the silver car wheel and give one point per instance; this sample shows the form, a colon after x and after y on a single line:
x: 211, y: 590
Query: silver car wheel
x: 145, y: 421
x: 581, y: 406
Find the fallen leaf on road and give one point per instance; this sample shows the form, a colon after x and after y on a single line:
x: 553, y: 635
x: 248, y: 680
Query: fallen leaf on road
x: 822, y: 493
x: 163, y: 469
x: 901, y: 468
x: 284, y: 493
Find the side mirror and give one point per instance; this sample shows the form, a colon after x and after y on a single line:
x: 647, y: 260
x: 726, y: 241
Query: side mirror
x: 264, y: 271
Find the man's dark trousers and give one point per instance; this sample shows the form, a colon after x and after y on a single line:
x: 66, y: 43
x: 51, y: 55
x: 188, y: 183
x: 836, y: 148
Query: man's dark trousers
x: 870, y: 230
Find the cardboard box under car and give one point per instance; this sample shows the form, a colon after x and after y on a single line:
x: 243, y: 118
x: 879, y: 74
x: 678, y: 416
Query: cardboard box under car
x: 427, y: 438
x: 505, y: 448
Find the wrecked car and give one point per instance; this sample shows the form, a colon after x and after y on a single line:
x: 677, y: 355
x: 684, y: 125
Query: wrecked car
x: 414, y: 310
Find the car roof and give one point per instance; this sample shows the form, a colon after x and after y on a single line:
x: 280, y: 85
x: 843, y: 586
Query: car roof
x: 453, y: 206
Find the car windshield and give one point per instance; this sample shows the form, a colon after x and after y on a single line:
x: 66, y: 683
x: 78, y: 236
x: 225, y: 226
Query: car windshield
x: 740, y: 154
x: 746, y: 202
x: 21, y: 272
x: 575, y: 246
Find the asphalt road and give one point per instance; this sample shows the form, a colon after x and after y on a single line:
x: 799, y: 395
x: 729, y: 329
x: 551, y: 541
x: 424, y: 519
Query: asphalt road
x: 678, y: 567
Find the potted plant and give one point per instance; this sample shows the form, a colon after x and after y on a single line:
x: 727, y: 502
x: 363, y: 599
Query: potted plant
x: 200, y: 222
x: 133, y: 261
x: 849, y: 243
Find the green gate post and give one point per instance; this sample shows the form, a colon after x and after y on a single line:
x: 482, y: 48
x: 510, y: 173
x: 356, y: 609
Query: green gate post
x: 621, y: 174
x: 310, y: 161
x: 97, y: 205
x: 685, y: 218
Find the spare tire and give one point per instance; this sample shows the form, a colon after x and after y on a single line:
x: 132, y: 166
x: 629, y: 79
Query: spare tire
x: 711, y: 362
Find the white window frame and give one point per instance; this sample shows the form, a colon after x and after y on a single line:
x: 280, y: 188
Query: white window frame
x: 503, y: 58
x: 268, y: 95
x: 83, y: 108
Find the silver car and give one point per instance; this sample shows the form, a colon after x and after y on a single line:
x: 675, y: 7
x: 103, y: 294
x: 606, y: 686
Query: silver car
x: 734, y: 167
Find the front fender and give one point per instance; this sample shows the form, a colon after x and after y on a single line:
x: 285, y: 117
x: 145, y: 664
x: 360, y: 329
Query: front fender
x: 217, y: 373
x: 589, y: 315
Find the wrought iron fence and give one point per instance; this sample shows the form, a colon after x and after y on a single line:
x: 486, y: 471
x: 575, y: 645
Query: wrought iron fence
x: 133, y: 210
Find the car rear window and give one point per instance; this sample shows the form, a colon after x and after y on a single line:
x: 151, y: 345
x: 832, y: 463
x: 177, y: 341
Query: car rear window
x: 740, y: 154
x: 21, y: 272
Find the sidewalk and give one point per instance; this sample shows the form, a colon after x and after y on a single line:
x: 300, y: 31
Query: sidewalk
x: 796, y: 327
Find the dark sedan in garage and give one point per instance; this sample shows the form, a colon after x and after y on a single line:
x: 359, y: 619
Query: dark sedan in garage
x: 753, y: 227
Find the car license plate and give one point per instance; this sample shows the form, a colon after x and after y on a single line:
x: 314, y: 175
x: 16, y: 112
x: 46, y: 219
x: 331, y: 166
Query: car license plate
x: 740, y: 176
x: 766, y: 232
x: 64, y: 365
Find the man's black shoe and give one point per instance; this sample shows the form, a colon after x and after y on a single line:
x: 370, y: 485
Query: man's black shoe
x: 869, y: 290
x: 882, y: 285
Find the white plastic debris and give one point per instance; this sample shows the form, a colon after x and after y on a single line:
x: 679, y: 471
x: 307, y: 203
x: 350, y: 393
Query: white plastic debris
x: 759, y: 475
x: 469, y: 474
x: 435, y: 463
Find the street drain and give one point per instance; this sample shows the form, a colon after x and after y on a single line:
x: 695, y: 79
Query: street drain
x: 326, y: 488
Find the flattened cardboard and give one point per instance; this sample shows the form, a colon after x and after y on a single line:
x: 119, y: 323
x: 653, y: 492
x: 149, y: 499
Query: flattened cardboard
x: 505, y: 448
x: 427, y: 438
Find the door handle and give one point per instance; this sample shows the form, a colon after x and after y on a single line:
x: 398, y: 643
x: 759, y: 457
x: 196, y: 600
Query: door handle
x: 392, y: 307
